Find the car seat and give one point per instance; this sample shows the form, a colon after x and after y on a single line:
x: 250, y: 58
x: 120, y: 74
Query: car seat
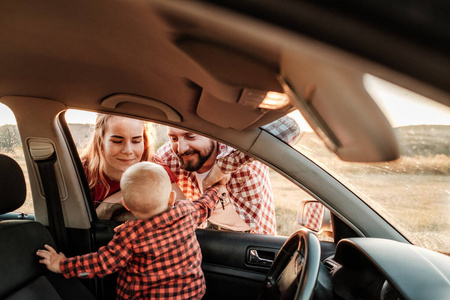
x: 21, y: 274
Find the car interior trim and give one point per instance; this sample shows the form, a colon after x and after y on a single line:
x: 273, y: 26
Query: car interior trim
x: 119, y: 99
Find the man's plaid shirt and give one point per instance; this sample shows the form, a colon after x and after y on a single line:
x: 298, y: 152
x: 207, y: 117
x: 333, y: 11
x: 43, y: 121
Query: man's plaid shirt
x: 249, y: 186
x: 159, y: 258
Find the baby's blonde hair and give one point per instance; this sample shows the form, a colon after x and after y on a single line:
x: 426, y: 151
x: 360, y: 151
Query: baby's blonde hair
x: 146, y: 189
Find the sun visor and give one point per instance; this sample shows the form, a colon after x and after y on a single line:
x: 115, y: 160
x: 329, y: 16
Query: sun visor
x: 336, y: 105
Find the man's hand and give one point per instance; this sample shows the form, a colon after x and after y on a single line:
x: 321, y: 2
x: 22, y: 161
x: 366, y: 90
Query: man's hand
x: 215, y: 176
x: 50, y: 258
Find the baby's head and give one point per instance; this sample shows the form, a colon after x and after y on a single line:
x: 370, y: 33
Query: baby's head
x: 146, y: 189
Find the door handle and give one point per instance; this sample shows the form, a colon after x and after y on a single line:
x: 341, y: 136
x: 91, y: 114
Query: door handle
x: 255, y: 258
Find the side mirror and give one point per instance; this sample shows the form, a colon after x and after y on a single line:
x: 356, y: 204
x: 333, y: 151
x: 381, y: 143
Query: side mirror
x: 314, y: 216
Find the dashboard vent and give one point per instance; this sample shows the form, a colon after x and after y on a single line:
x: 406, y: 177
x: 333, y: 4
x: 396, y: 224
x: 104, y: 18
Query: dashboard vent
x: 331, y: 265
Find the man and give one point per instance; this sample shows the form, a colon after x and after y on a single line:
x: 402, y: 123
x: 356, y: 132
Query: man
x: 249, y: 206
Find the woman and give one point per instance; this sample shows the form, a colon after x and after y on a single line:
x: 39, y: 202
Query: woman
x: 117, y: 143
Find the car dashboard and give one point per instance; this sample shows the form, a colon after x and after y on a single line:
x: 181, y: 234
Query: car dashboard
x: 372, y: 268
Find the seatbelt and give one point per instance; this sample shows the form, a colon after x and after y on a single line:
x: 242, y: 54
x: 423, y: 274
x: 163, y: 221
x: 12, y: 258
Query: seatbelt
x: 54, y: 209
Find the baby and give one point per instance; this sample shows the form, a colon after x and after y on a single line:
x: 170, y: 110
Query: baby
x: 156, y: 256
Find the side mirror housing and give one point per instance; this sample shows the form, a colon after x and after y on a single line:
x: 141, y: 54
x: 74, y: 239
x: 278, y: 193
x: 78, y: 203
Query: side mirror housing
x: 314, y: 216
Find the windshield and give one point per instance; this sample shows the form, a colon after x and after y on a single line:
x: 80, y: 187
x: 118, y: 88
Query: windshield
x: 413, y: 192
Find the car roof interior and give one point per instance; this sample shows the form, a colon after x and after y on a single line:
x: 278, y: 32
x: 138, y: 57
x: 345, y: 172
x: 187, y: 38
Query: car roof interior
x: 189, y: 67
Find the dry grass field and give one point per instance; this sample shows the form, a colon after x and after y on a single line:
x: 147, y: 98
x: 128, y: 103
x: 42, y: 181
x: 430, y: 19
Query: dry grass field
x: 412, y: 192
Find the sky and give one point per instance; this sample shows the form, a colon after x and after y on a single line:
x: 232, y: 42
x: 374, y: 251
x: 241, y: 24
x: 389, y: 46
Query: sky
x: 394, y: 101
x: 403, y: 107
x: 72, y: 116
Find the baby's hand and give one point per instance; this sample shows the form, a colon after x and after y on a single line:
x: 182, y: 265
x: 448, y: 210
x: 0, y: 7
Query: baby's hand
x: 51, y: 258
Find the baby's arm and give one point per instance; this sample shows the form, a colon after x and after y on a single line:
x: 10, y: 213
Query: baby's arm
x: 108, y: 259
x: 51, y: 259
x: 208, y: 201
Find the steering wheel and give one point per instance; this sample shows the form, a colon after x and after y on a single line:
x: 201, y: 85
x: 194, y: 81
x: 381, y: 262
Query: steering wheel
x: 294, y: 272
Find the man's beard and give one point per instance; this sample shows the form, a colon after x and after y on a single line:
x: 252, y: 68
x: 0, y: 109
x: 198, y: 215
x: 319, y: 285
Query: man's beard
x: 195, y: 165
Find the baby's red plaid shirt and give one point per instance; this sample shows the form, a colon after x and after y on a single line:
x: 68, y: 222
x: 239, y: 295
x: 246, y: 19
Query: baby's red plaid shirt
x: 159, y: 258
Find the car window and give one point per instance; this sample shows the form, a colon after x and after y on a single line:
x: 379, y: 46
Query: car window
x: 286, y: 194
x: 412, y: 193
x: 11, y: 145
x: 287, y: 197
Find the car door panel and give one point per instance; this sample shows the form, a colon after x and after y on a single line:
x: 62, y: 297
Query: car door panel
x: 228, y: 269
x: 225, y: 260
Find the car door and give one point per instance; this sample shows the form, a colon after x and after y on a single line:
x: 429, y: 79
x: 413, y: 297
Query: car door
x: 237, y: 260
x: 230, y: 259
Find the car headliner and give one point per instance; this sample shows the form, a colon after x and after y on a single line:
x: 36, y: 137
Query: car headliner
x: 187, y: 64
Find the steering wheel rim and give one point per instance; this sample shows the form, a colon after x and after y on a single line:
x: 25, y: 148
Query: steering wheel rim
x: 294, y: 272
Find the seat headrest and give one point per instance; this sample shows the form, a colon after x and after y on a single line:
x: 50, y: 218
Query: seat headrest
x: 12, y: 185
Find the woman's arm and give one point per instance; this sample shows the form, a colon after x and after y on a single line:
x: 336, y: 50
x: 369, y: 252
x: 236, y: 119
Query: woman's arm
x: 109, y: 206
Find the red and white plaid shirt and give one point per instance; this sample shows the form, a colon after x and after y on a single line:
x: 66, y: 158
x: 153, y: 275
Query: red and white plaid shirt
x: 159, y: 258
x: 249, y: 186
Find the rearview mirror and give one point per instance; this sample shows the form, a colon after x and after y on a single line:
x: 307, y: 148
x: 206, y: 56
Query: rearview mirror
x: 314, y: 216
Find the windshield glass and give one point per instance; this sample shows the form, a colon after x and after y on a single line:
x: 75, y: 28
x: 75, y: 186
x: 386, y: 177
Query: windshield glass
x: 413, y: 192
